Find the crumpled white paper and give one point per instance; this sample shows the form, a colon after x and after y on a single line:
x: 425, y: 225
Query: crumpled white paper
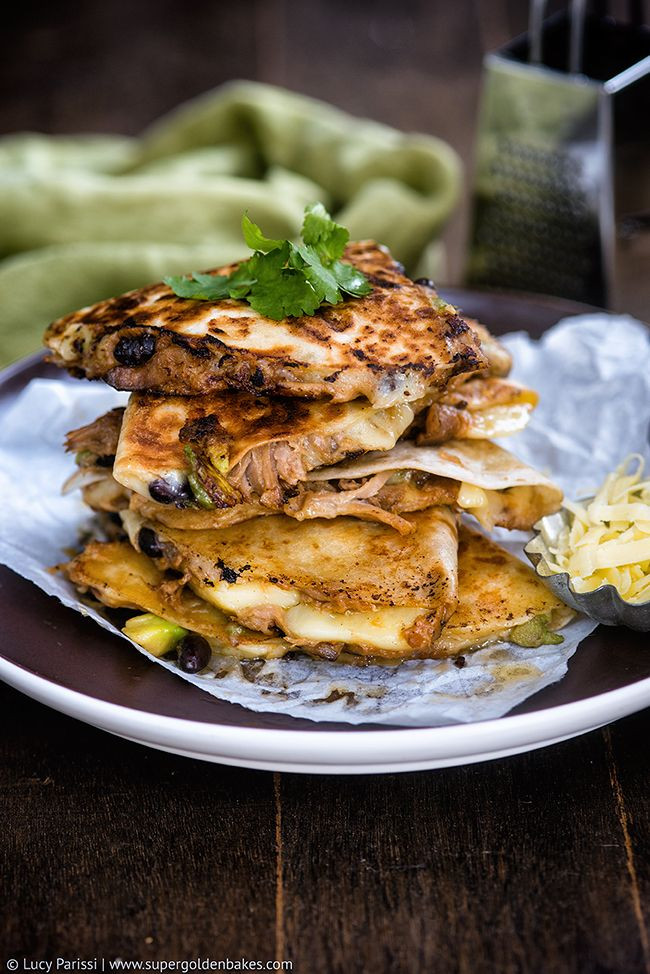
x: 593, y: 376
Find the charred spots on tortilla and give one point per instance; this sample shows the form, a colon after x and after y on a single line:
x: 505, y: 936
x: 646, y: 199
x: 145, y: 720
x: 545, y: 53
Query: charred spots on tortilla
x: 455, y: 327
x: 229, y: 574
x: 125, y: 303
x: 135, y: 350
x: 202, y: 428
x: 359, y: 353
x: 385, y: 282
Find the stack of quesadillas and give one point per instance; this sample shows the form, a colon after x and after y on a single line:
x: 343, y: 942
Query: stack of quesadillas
x: 297, y: 484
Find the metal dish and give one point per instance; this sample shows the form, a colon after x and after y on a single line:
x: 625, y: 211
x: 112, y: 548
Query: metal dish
x: 604, y: 604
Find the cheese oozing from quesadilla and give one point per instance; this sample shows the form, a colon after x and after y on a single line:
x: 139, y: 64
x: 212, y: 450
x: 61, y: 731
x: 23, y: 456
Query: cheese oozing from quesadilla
x: 480, y: 408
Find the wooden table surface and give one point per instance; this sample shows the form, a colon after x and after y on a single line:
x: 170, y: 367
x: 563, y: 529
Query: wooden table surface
x: 537, y: 863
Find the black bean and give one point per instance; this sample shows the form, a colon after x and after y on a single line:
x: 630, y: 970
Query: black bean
x: 166, y: 492
x: 425, y: 282
x: 193, y: 653
x: 134, y: 350
x: 149, y: 543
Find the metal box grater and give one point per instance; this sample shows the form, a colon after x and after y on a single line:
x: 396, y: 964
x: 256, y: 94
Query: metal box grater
x: 562, y: 184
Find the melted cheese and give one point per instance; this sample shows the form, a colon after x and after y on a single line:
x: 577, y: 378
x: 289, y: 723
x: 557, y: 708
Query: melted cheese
x: 240, y: 596
x: 471, y: 497
x: 381, y: 628
x: 499, y: 421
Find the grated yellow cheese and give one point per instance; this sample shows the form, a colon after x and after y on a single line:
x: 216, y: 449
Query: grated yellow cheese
x: 607, y: 540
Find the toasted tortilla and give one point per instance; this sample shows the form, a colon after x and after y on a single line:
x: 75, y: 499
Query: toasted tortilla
x: 316, y: 582
x: 258, y: 444
x: 496, y: 593
x: 261, y: 445
x: 492, y: 484
x: 394, y: 345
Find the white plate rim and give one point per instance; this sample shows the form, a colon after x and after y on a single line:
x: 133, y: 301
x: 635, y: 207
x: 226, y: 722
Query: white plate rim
x: 335, y: 751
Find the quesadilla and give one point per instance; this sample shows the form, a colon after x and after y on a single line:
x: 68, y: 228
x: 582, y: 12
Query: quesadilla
x: 223, y: 449
x: 342, y: 581
x: 396, y: 344
x: 237, y: 471
x: 499, y: 598
x: 499, y: 359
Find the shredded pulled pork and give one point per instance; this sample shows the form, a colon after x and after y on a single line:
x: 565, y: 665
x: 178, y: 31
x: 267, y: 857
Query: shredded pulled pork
x: 444, y: 423
x: 271, y: 472
x: 373, y: 499
x: 99, y: 437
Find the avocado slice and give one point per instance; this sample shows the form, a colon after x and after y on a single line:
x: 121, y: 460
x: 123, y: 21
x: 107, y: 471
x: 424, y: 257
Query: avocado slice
x: 154, y: 634
x: 534, y: 633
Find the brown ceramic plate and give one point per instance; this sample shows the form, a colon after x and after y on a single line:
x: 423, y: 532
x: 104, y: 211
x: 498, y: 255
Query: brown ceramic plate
x: 56, y: 656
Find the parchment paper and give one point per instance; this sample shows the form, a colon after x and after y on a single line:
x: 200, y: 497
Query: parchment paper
x: 593, y: 376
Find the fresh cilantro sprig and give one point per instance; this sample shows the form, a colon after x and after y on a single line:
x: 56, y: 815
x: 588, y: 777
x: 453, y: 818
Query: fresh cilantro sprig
x: 284, y: 279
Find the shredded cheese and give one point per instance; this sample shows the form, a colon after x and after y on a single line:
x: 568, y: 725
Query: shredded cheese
x: 607, y: 540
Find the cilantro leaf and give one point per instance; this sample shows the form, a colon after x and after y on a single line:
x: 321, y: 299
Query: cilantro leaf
x: 319, y: 276
x: 291, y: 294
x: 254, y: 237
x: 204, y: 287
x: 350, y: 280
x: 321, y: 232
x: 283, y: 279
x: 279, y: 290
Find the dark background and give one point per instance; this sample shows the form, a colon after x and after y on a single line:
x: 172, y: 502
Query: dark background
x: 538, y: 863
x: 75, y: 65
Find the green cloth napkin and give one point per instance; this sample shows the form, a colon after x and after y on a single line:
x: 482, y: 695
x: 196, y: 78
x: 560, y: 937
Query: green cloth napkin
x: 86, y: 217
